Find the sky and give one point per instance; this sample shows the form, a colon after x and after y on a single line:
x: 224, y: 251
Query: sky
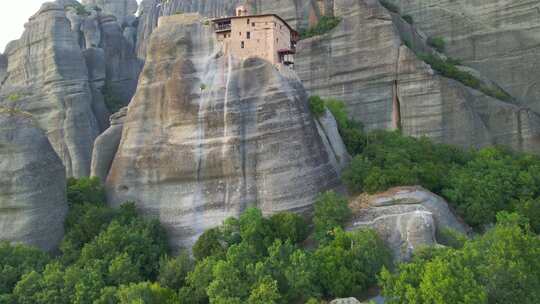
x: 13, y: 16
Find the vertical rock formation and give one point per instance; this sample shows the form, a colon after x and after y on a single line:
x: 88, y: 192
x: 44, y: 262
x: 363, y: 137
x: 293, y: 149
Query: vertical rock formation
x: 206, y: 136
x: 106, y: 145
x: 500, y: 38
x: 47, y: 77
x: 121, y: 9
x: 384, y: 85
x: 32, y: 184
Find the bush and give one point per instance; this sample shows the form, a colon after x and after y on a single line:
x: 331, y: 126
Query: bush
x: 437, y: 43
x: 210, y: 243
x: 331, y: 211
x: 316, y: 105
x: 14, y: 97
x: 325, y: 25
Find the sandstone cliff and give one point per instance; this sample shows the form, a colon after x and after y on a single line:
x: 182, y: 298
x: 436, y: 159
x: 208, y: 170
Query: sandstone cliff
x: 58, y: 70
x: 500, y: 38
x: 364, y: 62
x: 206, y: 136
x: 32, y: 184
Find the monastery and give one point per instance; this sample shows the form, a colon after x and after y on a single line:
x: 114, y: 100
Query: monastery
x: 266, y: 36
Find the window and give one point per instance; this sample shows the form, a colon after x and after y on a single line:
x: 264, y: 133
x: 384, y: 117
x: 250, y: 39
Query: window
x: 242, y: 44
x: 248, y: 35
x: 253, y: 24
x: 248, y: 21
x: 239, y: 33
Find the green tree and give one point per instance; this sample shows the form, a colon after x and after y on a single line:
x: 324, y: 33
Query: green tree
x: 331, y: 211
x: 316, y: 105
x: 265, y: 292
x: 147, y: 293
x: 210, y: 243
x: 289, y: 226
x: 17, y: 260
x: 85, y: 190
x: 173, y: 271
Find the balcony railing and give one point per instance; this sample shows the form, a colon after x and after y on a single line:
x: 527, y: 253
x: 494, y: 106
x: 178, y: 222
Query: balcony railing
x: 222, y: 27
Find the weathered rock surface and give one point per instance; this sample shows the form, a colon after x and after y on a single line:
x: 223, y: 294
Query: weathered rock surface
x: 3, y: 67
x: 329, y: 133
x: 405, y: 217
x: 500, y: 38
x: 364, y: 62
x: 121, y: 9
x: 47, y: 77
x: 106, y: 145
x: 206, y: 136
x: 32, y: 184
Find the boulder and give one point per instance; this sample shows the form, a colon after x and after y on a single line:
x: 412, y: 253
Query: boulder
x: 106, y: 145
x: 32, y: 184
x: 405, y: 218
x: 47, y: 77
x: 207, y: 136
x: 345, y: 301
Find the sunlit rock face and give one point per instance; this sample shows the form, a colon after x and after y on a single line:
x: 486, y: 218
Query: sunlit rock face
x: 32, y: 184
x: 365, y: 63
x: 500, y: 38
x: 206, y: 136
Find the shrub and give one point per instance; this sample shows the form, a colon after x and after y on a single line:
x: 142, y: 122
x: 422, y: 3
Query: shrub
x: 210, y: 243
x: 316, y: 105
x: 79, y: 9
x: 331, y: 211
x: 14, y: 97
x: 437, y: 43
x: 85, y: 190
x: 451, y: 238
x: 325, y: 25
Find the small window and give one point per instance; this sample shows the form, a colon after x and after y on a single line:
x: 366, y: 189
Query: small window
x: 248, y: 35
x: 248, y: 21
x: 253, y: 24
x: 242, y: 44
x: 239, y: 33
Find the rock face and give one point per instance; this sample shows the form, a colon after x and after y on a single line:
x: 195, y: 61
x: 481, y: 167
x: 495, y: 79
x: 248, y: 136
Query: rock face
x: 59, y: 70
x: 345, y: 301
x: 500, y: 38
x: 32, y: 184
x: 47, y: 77
x: 364, y: 62
x: 106, y: 145
x: 405, y: 217
x: 206, y: 136
x: 121, y: 9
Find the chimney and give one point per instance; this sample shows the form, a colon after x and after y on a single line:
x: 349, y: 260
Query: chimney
x: 241, y: 10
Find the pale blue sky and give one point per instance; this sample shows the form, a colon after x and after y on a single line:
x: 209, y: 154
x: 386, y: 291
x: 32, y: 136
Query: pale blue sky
x: 13, y: 16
